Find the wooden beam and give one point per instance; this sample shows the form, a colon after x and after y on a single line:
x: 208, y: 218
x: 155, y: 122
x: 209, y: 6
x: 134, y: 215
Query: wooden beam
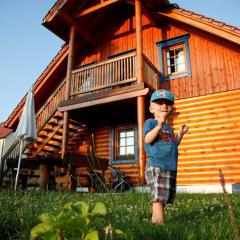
x: 200, y: 24
x: 139, y: 42
x: 140, y: 99
x: 72, y: 36
x: 105, y: 100
x: 70, y: 63
x: 71, y: 22
x: 103, y: 94
x: 141, y: 152
x: 97, y: 7
x: 146, y: 10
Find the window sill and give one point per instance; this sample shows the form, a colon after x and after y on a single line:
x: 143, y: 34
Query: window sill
x: 123, y: 161
x: 186, y: 74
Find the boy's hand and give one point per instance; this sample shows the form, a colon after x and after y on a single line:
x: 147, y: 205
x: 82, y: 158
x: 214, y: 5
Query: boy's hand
x: 161, y: 118
x: 183, y: 129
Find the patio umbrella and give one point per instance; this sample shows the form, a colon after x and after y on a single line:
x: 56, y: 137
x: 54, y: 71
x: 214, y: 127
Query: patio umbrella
x: 26, y: 129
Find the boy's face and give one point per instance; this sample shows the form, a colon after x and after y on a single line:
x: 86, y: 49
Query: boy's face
x: 160, y: 107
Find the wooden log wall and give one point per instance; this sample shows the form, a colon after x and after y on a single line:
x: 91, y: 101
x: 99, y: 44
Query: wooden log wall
x: 102, y: 139
x: 213, y: 139
x: 103, y: 149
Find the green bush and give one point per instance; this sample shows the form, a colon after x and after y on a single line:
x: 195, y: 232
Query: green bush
x: 75, y: 221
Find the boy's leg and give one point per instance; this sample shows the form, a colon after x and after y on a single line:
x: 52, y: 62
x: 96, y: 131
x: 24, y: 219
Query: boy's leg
x: 158, y: 212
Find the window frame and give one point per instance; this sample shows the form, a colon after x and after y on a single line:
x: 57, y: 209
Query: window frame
x: 115, y: 144
x: 173, y: 43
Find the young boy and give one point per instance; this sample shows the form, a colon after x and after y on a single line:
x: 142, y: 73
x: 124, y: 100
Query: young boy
x: 161, y: 146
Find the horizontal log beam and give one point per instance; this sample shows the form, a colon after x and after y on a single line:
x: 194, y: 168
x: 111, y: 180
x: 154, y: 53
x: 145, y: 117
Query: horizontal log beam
x: 207, y: 181
x: 105, y: 100
x: 71, y: 22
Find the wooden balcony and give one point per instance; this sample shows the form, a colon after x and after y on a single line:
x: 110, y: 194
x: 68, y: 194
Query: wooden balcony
x: 111, y: 74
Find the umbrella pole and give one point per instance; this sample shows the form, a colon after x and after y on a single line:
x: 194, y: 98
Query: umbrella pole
x: 19, y: 163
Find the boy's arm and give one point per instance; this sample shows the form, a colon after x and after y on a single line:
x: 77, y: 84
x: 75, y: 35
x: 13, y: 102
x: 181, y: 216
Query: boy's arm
x: 183, y: 129
x: 152, y: 134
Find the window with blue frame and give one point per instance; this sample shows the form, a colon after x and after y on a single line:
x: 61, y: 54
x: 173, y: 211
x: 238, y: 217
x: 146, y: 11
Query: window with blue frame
x: 174, y: 58
x: 124, y: 147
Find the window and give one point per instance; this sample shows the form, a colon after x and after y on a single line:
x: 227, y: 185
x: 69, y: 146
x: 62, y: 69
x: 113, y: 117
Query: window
x: 124, y: 147
x: 174, y: 58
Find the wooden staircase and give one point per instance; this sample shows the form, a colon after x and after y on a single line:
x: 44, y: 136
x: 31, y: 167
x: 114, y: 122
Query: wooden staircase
x: 49, y: 139
x: 50, y: 132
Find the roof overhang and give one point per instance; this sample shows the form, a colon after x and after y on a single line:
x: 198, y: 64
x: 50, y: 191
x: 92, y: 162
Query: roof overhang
x: 4, y: 132
x: 206, y: 24
x: 83, y: 14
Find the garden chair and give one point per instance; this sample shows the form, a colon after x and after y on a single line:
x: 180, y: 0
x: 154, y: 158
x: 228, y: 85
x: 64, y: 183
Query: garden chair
x: 121, y: 182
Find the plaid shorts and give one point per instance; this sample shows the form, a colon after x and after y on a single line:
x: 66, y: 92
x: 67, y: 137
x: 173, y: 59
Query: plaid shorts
x: 162, y: 184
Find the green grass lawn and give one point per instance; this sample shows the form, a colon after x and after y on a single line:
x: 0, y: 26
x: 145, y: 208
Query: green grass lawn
x: 193, y: 216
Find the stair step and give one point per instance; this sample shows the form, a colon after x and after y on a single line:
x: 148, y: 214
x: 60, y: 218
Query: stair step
x: 48, y: 128
x: 53, y: 122
x: 53, y: 145
x: 59, y: 133
x: 56, y: 143
x: 43, y: 134
x: 39, y: 140
x: 57, y: 138
x: 70, y: 131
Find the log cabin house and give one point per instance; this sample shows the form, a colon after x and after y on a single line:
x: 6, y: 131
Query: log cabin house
x: 94, y: 95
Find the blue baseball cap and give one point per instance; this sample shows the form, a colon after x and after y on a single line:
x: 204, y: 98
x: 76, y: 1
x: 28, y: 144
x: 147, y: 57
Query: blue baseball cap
x: 162, y: 94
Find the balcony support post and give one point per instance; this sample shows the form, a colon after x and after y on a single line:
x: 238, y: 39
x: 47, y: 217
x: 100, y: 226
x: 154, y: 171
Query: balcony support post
x: 140, y: 99
x: 68, y: 87
x: 44, y: 176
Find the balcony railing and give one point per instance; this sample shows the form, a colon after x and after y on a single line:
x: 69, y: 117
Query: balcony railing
x: 113, y: 72
x: 110, y: 73
x: 151, y: 75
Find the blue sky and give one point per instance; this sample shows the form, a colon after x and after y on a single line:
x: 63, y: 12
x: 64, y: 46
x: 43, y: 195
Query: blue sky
x: 26, y: 47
